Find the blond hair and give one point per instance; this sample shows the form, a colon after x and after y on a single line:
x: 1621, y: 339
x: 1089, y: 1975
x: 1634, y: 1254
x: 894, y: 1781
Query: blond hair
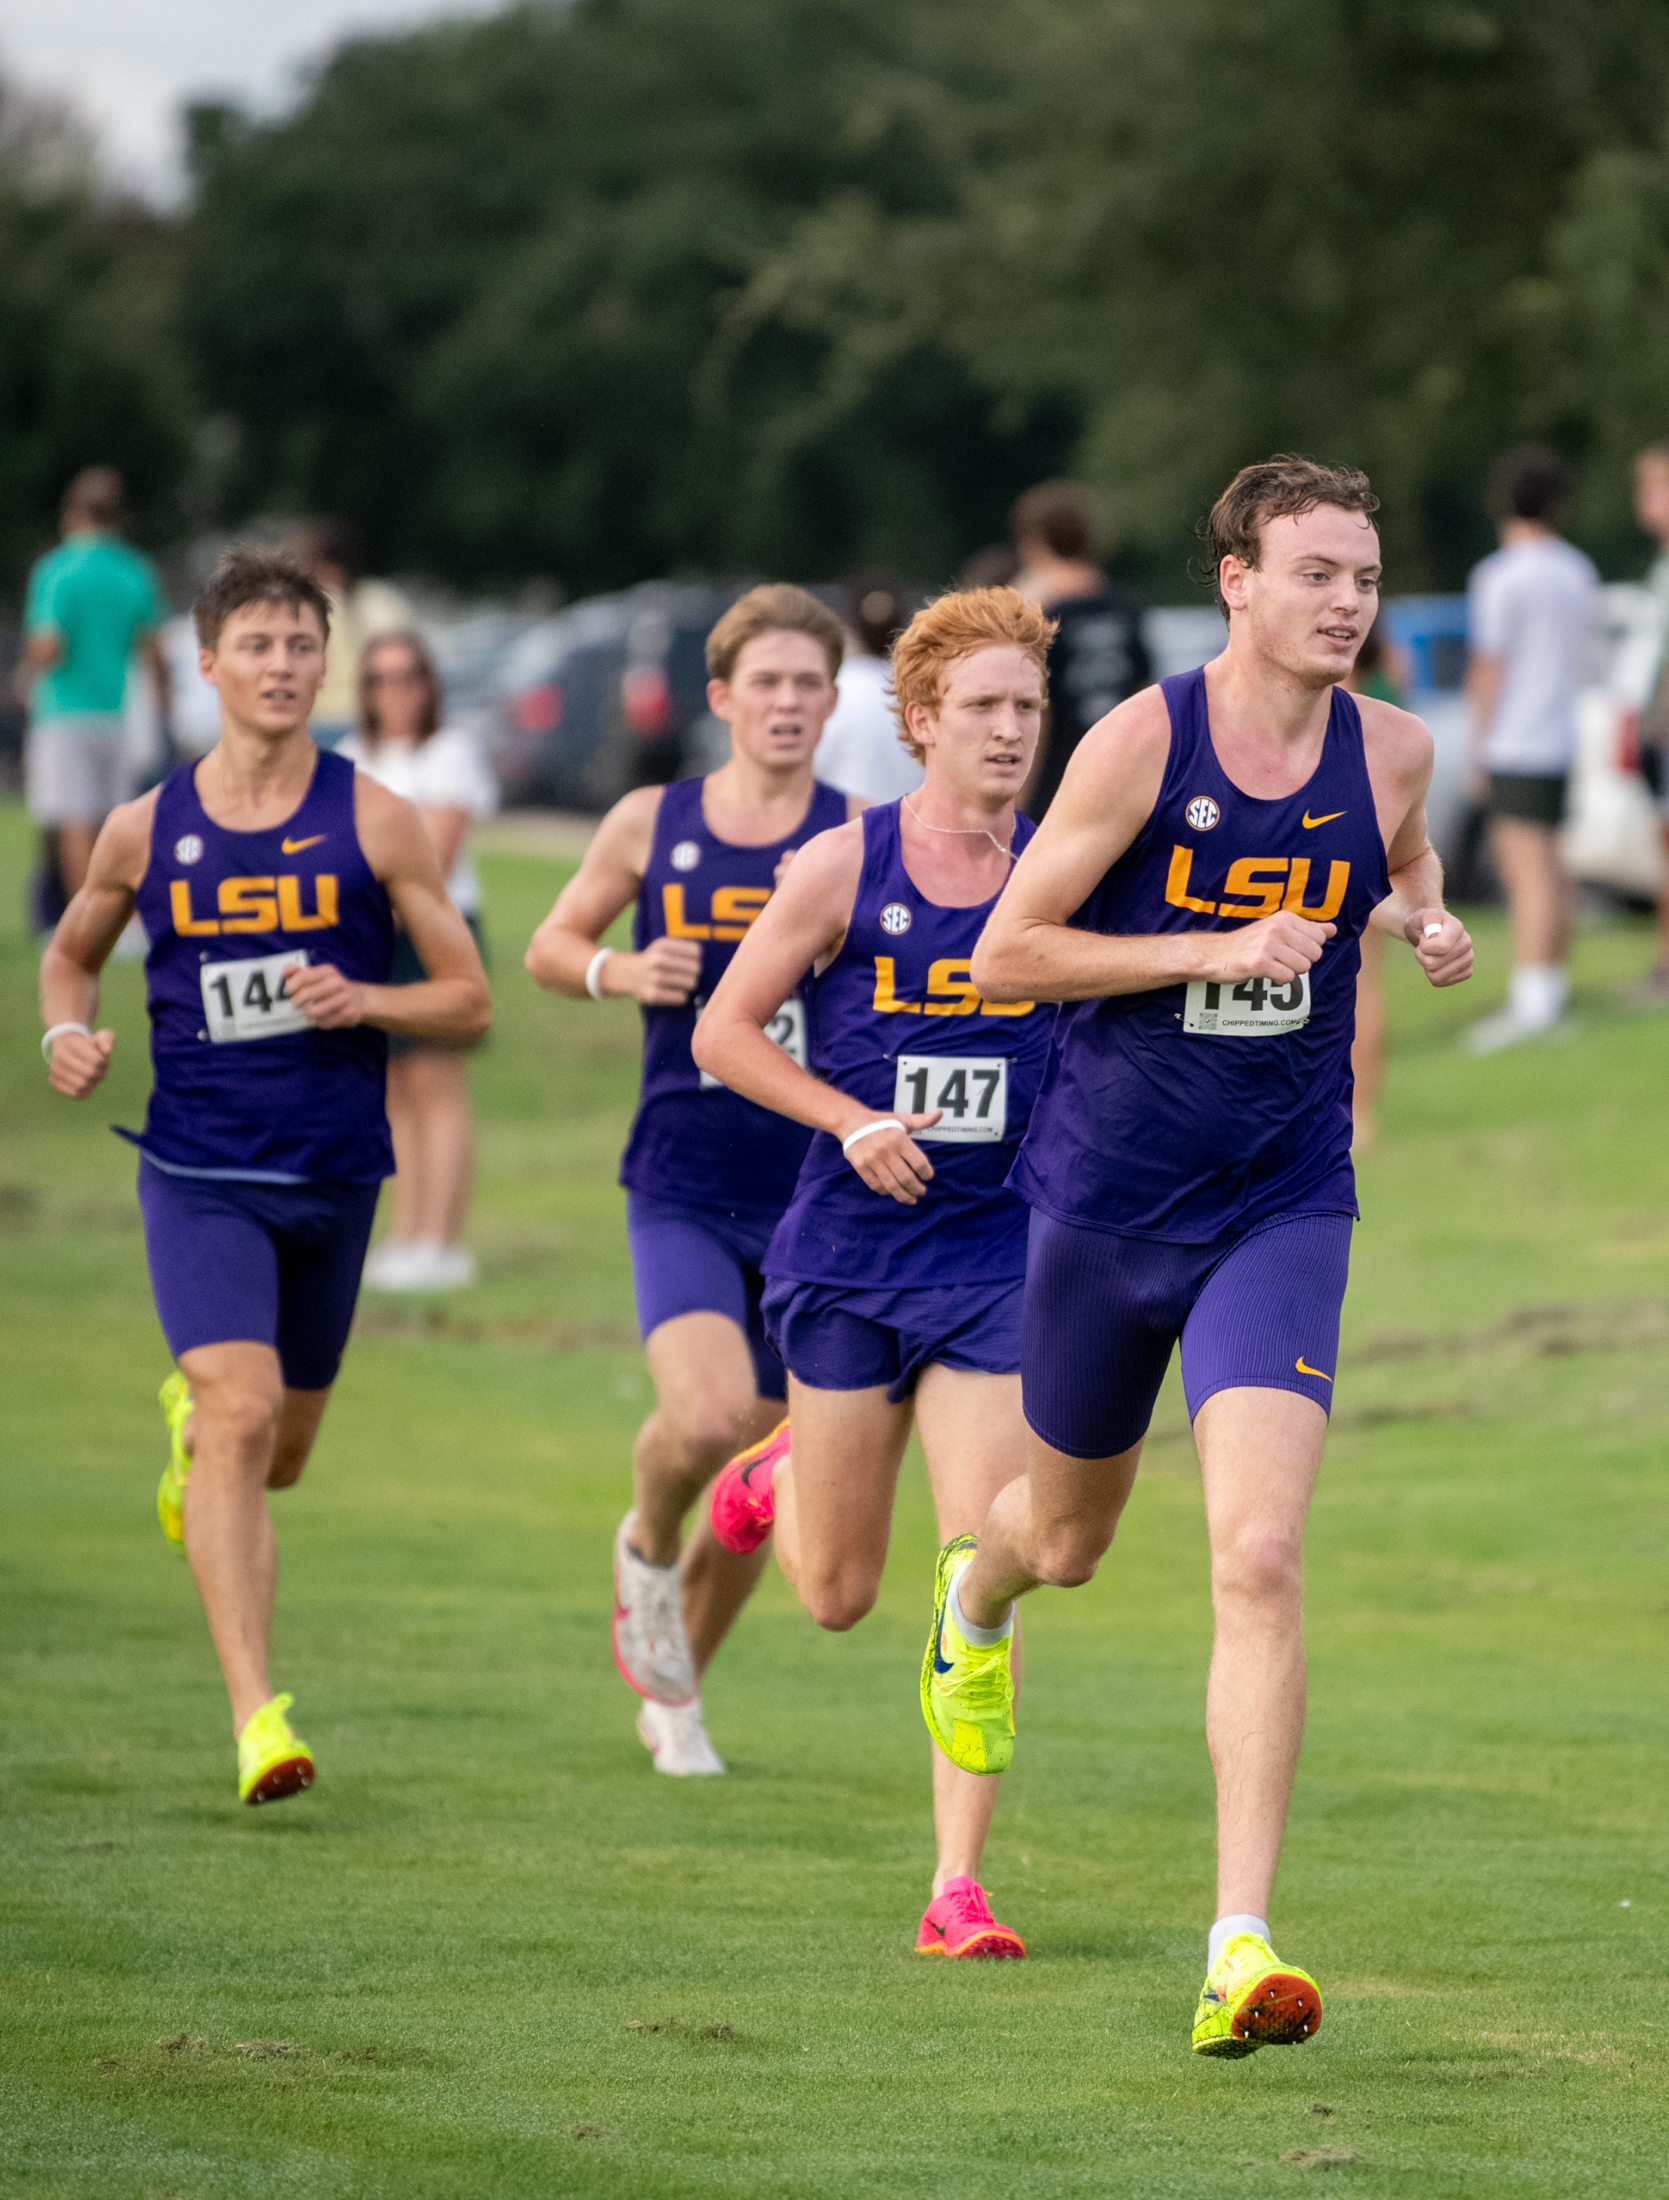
x: 778, y: 607
x: 954, y: 626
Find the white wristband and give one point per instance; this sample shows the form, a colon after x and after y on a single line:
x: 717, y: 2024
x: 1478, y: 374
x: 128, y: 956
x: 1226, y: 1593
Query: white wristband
x: 57, y: 1032
x: 887, y: 1123
x: 594, y: 974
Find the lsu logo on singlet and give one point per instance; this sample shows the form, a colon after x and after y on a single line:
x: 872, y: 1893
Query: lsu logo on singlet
x: 950, y: 991
x: 1264, y: 885
x: 730, y: 912
x: 272, y: 904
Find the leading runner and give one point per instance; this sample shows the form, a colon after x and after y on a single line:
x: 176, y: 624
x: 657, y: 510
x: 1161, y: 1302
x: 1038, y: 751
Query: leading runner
x: 896, y: 1274
x: 267, y: 876
x: 707, y: 1173
x: 1196, y: 896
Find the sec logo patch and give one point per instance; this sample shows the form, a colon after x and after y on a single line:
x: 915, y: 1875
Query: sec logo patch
x: 686, y: 855
x: 188, y: 848
x: 895, y: 918
x: 1202, y: 813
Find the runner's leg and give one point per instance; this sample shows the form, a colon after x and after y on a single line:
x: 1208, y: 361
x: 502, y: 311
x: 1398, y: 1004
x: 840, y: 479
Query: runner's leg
x: 1050, y: 1527
x: 238, y: 1391
x: 1260, y: 1453
x: 834, y: 1498
x: 973, y: 1437
x: 707, y: 1408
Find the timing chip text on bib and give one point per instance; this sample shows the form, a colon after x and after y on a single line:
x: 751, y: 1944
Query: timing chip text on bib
x: 972, y: 1089
x: 1256, y: 1008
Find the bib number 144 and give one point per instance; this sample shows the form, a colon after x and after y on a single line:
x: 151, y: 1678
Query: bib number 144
x: 249, y: 1000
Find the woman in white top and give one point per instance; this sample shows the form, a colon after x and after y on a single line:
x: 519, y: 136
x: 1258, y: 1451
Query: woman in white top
x: 401, y: 742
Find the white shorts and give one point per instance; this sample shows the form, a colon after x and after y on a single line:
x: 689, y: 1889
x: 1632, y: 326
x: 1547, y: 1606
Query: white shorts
x: 76, y: 770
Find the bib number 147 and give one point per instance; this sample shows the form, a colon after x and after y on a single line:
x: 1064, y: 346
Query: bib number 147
x: 972, y: 1090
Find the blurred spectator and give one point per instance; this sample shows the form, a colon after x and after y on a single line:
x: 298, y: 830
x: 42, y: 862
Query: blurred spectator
x: 91, y: 603
x: 1651, y: 509
x: 996, y: 566
x: 1531, y: 617
x: 360, y: 611
x: 1380, y: 671
x: 401, y: 742
x: 860, y: 752
x: 1098, y: 656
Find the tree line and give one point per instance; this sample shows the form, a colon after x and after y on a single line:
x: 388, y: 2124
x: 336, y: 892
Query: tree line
x: 625, y: 287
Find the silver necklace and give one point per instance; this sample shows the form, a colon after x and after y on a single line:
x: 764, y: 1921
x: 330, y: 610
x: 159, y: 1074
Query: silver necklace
x: 958, y: 832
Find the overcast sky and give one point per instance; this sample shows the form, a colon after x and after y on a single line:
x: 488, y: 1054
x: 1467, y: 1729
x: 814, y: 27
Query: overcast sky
x: 130, y: 65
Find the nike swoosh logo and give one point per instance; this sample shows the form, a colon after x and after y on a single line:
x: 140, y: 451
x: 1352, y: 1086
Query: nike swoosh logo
x: 941, y: 1664
x: 294, y: 847
x: 1310, y: 823
x: 1303, y: 1370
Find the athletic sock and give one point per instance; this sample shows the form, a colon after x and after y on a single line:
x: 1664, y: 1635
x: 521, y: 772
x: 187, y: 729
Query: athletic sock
x: 1224, y: 1931
x: 1538, y: 993
x: 982, y: 1638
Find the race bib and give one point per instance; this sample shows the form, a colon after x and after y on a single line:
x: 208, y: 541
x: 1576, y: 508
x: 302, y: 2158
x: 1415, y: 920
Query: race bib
x: 247, y: 1000
x: 971, y: 1088
x: 786, y: 1029
x: 1256, y: 1008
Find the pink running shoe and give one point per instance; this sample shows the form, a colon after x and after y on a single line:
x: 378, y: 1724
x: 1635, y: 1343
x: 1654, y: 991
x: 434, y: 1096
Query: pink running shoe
x: 744, y: 1500
x: 959, y: 1923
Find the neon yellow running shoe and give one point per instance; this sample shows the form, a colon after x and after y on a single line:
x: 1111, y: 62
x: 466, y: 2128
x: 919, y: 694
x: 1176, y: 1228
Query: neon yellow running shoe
x: 967, y: 1689
x: 175, y: 1400
x: 272, y: 1762
x: 1250, y: 2000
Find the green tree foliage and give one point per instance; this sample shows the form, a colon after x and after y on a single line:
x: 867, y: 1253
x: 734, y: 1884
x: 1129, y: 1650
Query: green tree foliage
x: 1369, y: 229
x: 89, y: 372
x: 479, y: 292
x: 615, y: 288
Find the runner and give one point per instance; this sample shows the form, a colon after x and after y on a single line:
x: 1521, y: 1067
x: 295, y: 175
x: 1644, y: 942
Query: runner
x: 265, y: 1141
x: 1196, y: 895
x: 707, y: 1174
x: 896, y: 1275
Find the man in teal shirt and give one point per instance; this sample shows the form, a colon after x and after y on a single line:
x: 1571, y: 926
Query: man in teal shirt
x: 92, y: 602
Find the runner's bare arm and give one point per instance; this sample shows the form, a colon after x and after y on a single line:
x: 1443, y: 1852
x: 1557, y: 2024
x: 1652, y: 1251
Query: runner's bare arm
x: 451, y: 1006
x: 78, y: 950
x: 801, y: 927
x: 1031, y: 952
x: 1399, y: 755
x: 563, y: 949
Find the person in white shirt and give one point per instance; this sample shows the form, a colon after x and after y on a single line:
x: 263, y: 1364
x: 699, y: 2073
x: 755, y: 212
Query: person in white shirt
x: 402, y: 744
x: 860, y: 751
x: 1651, y: 509
x: 1531, y: 609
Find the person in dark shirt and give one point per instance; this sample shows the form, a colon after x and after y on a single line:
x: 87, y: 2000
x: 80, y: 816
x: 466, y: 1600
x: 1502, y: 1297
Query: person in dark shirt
x: 1098, y: 658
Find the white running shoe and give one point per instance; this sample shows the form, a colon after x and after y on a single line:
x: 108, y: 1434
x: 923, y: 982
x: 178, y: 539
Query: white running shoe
x: 650, y: 1646
x: 1509, y: 1029
x: 675, y: 1737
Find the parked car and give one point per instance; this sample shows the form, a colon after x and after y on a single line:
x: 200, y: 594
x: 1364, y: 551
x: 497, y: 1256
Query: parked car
x: 558, y: 698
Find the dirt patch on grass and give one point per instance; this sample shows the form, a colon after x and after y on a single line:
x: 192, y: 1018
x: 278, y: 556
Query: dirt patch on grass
x: 1544, y: 1332
x: 1321, y: 2157
x: 376, y: 1318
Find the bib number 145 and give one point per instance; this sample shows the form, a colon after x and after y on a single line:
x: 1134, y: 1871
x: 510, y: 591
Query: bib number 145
x: 972, y: 1090
x: 1256, y: 1008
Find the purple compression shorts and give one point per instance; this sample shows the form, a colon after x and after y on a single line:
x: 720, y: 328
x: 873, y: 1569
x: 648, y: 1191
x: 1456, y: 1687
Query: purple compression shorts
x: 277, y: 1264
x: 1259, y: 1311
x: 703, y: 1260
x: 836, y: 1338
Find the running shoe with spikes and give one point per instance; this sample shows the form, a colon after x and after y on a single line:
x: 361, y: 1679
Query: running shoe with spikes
x: 676, y: 1738
x: 967, y: 1689
x: 650, y: 1646
x: 743, y: 1504
x: 959, y: 1924
x: 175, y: 1400
x: 272, y: 1762
x: 1250, y: 2000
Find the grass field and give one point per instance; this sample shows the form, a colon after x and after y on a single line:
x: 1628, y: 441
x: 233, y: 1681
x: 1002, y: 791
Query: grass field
x: 492, y: 1954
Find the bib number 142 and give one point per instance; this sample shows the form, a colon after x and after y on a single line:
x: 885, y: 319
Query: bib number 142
x: 1256, y: 1008
x: 972, y: 1090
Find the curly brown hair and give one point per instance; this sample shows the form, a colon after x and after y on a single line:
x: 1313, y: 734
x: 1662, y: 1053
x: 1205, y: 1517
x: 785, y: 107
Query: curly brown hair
x: 1283, y: 487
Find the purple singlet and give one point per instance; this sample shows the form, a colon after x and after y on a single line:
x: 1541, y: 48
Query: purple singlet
x: 1200, y: 1111
x: 692, y: 1141
x: 898, y: 1024
x: 245, y: 1087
